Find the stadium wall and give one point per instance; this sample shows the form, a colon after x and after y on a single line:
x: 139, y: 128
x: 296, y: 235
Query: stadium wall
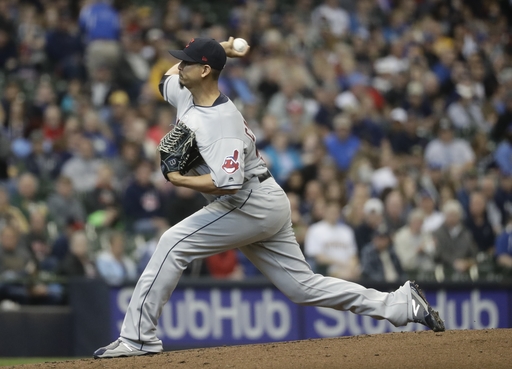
x: 204, y: 313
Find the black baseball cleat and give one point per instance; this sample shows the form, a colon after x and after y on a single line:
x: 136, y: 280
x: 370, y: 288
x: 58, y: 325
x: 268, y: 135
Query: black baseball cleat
x: 118, y: 348
x: 422, y: 312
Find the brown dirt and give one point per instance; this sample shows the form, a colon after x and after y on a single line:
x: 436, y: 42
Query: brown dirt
x: 489, y: 349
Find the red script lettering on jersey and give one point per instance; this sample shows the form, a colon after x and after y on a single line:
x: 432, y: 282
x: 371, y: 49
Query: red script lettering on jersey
x: 231, y: 163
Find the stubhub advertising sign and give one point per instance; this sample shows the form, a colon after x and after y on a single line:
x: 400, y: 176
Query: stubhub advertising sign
x: 196, y: 317
x: 473, y: 309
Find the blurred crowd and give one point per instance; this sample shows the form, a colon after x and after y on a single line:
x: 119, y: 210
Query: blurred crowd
x: 387, y: 122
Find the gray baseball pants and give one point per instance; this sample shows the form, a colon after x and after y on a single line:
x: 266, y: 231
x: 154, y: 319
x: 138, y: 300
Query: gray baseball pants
x: 257, y: 221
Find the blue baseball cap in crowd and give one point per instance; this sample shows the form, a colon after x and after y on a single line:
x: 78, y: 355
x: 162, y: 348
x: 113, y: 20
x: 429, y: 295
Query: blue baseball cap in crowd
x: 432, y: 165
x: 424, y: 194
x: 202, y: 50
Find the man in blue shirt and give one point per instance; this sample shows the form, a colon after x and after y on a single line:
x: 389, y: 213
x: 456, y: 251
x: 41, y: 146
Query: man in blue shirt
x: 101, y: 30
x: 342, y: 145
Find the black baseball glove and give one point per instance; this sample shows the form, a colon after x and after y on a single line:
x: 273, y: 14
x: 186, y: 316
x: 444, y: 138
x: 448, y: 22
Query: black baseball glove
x: 178, y: 150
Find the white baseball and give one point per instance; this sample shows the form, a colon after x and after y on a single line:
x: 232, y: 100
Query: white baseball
x: 239, y: 44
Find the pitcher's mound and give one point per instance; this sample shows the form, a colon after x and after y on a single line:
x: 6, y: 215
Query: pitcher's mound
x: 491, y: 348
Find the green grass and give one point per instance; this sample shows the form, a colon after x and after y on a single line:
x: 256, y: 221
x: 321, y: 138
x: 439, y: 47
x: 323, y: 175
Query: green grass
x: 6, y: 361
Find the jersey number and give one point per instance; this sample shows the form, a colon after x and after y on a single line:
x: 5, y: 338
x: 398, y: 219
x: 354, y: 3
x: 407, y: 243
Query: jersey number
x: 251, y: 135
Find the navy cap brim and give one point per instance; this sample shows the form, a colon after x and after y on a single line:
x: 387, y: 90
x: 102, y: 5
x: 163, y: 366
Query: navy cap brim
x: 180, y: 55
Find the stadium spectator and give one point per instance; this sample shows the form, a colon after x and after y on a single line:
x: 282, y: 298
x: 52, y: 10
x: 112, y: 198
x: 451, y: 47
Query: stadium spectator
x: 63, y: 204
x: 26, y: 197
x: 142, y: 203
x: 133, y: 69
x: 64, y: 47
x: 45, y: 95
x: 432, y: 179
x: 469, y: 184
x: 373, y: 217
x: 403, y: 135
x: 367, y: 101
x: 15, y: 263
x: 466, y: 113
x: 224, y: 265
x: 504, y: 249
x: 60, y: 246
x: 40, y: 248
x: 38, y: 229
x: 38, y: 243
x: 353, y: 211
x: 327, y: 109
x: 384, y: 177
x: 269, y: 126
x: 342, y: 145
x: 446, y: 193
x: 83, y: 167
x: 103, y: 203
x: 329, y: 15
x: 42, y: 162
x: 101, y: 29
x: 30, y: 38
x: 416, y: 104
x: 503, y: 197
x: 488, y: 189
x: 477, y: 221
x: 449, y: 152
x: 124, y: 165
x: 52, y: 126
x: 332, y: 246
x: 499, y: 130
x: 101, y: 85
x: 414, y: 247
x: 433, y: 219
x: 99, y: 134
x: 77, y: 263
x: 313, y: 160
x: 444, y: 50
x: 165, y: 117
x: 395, y: 212
x: 379, y: 261
x: 69, y: 102
x: 287, y: 101
x: 281, y: 157
x: 115, y: 113
x: 114, y: 265
x: 11, y: 215
x: 455, y: 247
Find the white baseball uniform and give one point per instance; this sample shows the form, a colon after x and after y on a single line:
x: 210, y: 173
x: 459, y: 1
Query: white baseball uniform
x: 256, y: 220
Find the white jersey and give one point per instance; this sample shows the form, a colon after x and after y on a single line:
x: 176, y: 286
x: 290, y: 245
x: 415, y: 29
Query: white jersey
x: 334, y: 241
x: 225, y: 142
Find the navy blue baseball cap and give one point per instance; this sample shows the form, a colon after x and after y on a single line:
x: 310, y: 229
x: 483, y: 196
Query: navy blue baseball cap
x: 204, y: 51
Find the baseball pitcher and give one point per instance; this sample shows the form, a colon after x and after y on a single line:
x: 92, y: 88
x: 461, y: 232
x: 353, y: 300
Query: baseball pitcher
x: 247, y: 210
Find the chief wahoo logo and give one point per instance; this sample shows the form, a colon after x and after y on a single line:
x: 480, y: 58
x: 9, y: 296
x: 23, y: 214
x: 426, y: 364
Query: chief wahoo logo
x: 231, y: 163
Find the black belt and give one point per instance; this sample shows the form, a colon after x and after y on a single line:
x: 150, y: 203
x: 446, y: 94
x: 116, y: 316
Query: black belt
x: 264, y: 176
